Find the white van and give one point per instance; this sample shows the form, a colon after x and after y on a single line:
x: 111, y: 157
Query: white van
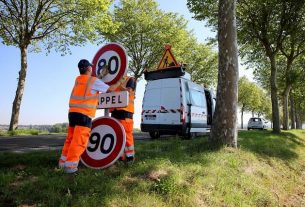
x: 173, y: 104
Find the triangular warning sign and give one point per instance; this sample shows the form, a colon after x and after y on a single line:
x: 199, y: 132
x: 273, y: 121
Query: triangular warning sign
x: 168, y: 59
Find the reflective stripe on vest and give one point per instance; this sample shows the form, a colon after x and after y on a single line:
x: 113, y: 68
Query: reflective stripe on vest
x: 129, y: 148
x: 90, y: 106
x: 71, y: 167
x: 81, y: 99
x: 71, y: 164
x: 130, y: 154
x: 63, y: 158
x: 129, y: 151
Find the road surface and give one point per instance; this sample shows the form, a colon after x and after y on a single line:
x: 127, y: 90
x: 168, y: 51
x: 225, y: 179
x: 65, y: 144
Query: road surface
x: 20, y: 144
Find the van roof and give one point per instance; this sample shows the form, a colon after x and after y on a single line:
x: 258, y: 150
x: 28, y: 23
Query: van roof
x: 171, y: 72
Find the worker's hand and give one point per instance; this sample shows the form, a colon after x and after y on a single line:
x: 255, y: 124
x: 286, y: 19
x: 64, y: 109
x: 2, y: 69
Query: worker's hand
x: 104, y: 72
x: 121, y: 81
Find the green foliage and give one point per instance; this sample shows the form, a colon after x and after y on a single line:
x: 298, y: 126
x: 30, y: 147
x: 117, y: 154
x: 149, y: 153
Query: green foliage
x: 252, y: 98
x: 53, y: 23
x: 145, y: 29
x: 246, y: 96
x: 59, y: 128
x: 205, y: 10
x: 264, y: 171
x: 19, y: 132
x: 270, y: 36
x: 164, y: 186
x: 50, y: 24
x: 202, y: 63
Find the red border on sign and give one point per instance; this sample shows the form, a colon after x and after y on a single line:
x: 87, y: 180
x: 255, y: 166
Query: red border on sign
x: 115, y: 152
x: 122, y: 55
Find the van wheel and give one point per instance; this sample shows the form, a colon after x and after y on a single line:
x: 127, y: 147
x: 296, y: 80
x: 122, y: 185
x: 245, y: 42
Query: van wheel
x: 189, y: 135
x: 154, y: 134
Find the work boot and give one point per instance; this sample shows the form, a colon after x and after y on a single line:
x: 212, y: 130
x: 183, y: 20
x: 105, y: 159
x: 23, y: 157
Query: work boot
x: 71, y: 177
x: 130, y: 160
x: 121, y: 159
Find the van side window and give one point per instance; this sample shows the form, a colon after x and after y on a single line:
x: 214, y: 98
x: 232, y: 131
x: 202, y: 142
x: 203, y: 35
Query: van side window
x: 187, y: 93
x: 198, y: 98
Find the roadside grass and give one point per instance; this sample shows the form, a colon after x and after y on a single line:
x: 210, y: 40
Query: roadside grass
x: 266, y: 170
x: 24, y: 132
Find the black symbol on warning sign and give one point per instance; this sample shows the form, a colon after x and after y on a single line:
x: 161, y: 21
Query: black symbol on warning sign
x: 166, y: 64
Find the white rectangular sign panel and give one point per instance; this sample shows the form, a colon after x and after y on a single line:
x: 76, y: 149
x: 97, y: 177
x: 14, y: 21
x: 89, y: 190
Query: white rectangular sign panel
x: 113, y: 100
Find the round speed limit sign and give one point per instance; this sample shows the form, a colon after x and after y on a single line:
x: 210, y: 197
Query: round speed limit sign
x: 106, y: 143
x: 115, y: 57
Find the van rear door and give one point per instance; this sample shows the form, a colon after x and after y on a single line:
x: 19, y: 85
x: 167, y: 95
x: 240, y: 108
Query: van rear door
x: 151, y: 103
x: 170, y: 102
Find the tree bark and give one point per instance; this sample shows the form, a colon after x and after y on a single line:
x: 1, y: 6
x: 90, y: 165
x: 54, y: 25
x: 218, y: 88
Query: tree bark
x: 292, y: 111
x: 298, y: 119
x: 20, y: 89
x: 242, y: 117
x: 274, y: 99
x: 285, y: 107
x: 224, y: 127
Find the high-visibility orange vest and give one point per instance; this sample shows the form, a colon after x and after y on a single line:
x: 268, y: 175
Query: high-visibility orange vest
x: 130, y: 106
x: 81, y: 99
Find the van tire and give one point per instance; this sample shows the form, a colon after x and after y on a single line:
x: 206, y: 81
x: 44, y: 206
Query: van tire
x: 189, y: 135
x: 154, y: 134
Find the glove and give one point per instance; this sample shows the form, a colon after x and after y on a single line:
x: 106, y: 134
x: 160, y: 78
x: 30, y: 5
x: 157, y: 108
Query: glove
x: 104, y: 72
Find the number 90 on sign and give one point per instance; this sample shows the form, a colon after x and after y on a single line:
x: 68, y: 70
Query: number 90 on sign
x: 101, y: 142
x: 106, y: 143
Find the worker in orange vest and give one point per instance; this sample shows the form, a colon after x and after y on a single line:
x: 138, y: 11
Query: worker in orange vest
x: 125, y: 117
x: 82, y: 108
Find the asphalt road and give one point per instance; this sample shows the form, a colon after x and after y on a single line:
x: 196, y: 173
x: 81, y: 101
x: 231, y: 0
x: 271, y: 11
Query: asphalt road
x: 21, y: 144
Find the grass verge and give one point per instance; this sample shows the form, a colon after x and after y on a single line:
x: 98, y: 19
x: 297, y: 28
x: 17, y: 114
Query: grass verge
x: 25, y: 132
x: 266, y: 170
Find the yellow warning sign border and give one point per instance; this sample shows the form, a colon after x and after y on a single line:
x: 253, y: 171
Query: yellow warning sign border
x: 167, y: 48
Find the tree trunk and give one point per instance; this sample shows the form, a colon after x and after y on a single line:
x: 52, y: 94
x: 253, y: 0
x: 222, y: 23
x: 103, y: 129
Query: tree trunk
x: 292, y: 111
x: 19, y: 91
x: 275, y: 104
x: 298, y: 120
x: 285, y: 107
x: 242, y: 117
x: 224, y: 127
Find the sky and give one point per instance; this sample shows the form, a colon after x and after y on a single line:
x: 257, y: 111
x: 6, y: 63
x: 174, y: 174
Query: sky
x: 50, y: 77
